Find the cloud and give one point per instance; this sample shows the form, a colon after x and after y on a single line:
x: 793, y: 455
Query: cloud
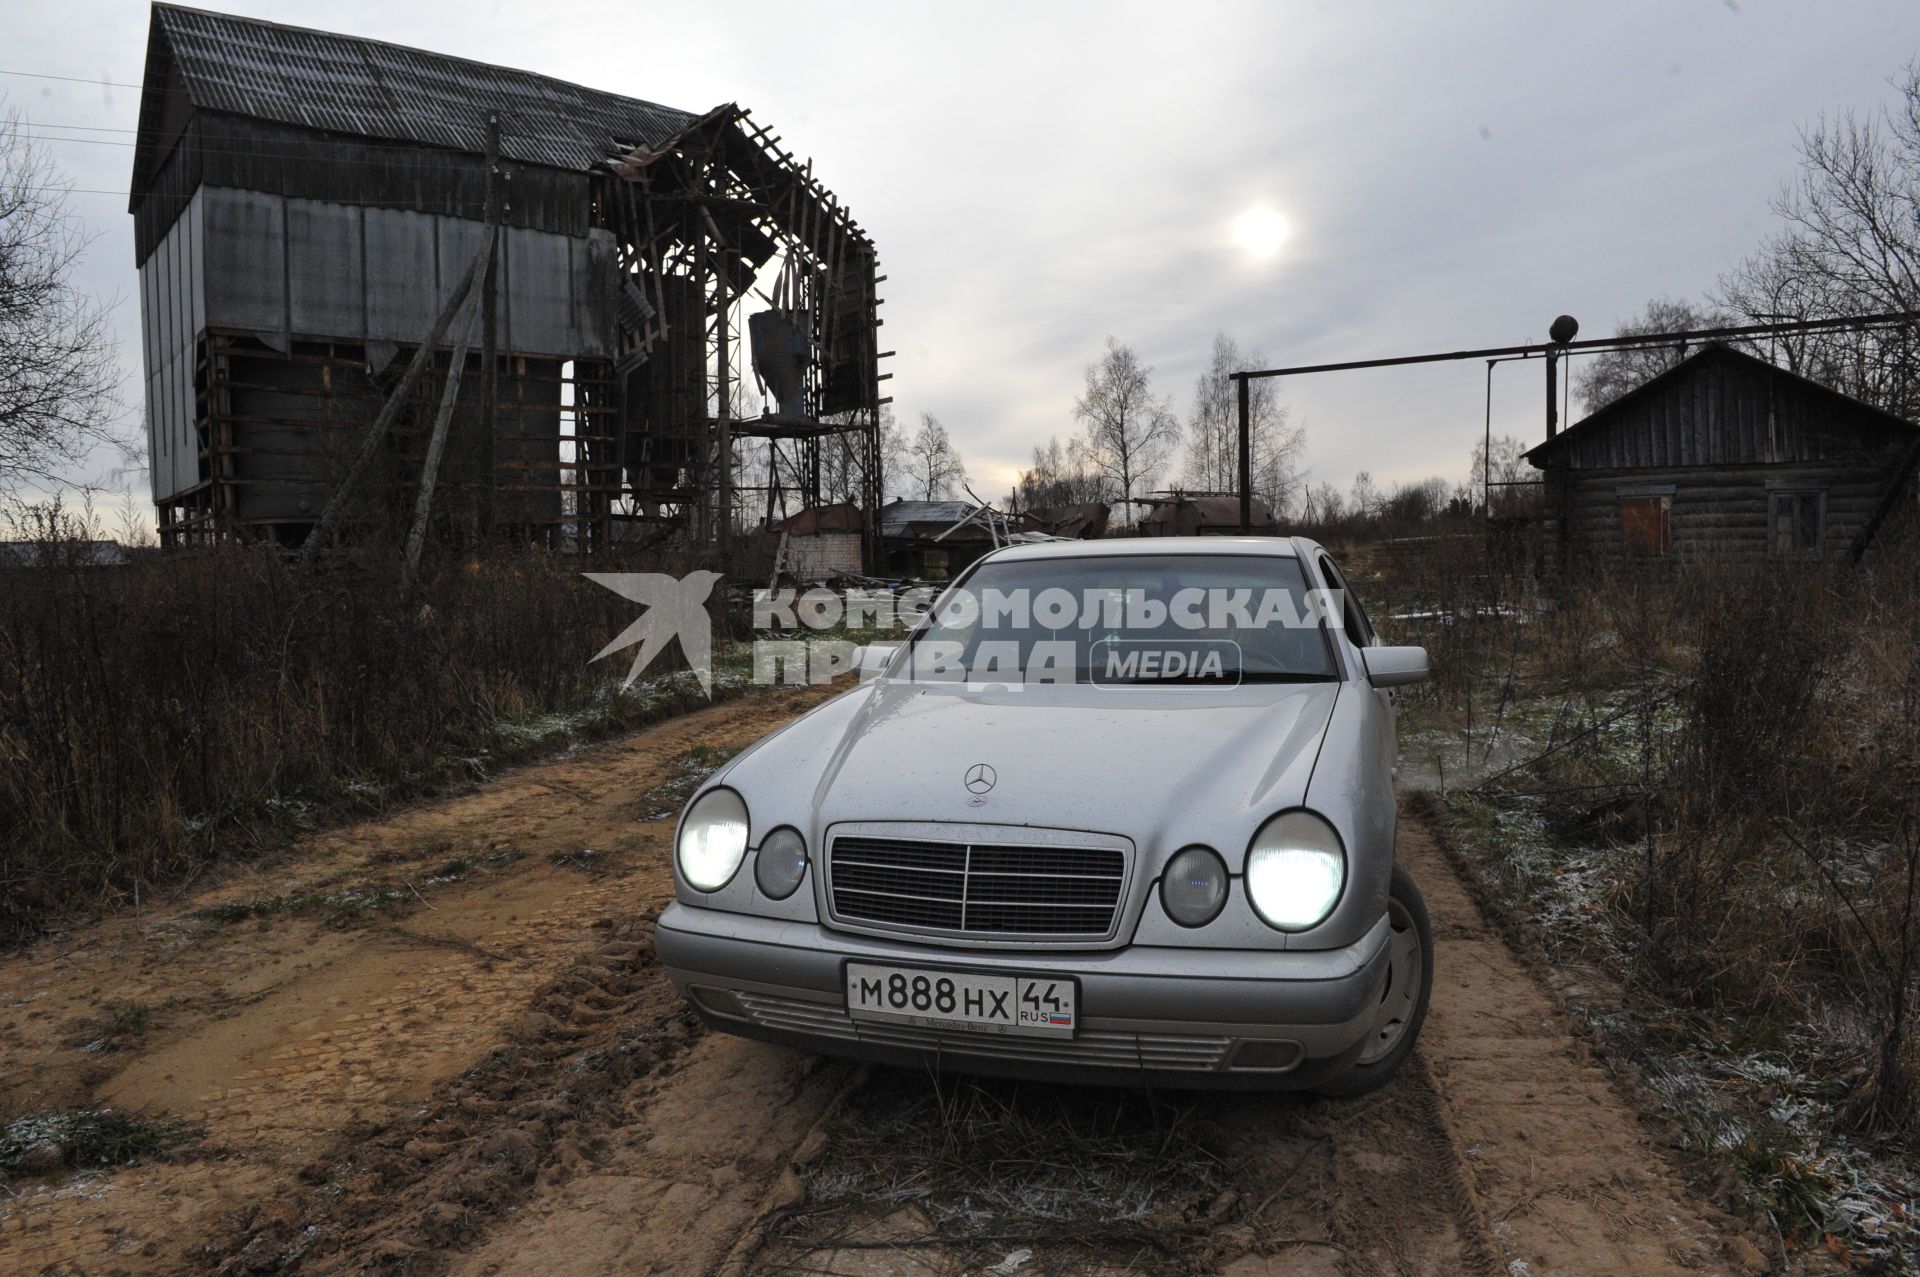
x: 1038, y: 177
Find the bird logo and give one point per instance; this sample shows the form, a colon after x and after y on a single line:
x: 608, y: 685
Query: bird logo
x: 676, y: 609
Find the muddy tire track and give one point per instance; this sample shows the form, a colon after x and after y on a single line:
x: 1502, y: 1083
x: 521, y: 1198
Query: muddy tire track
x: 507, y: 1086
x: 406, y: 1197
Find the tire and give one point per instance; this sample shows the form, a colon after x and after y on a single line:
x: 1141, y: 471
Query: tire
x: 1397, y: 1017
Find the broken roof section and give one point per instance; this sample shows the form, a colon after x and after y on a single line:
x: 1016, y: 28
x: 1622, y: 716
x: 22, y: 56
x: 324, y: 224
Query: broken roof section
x: 931, y: 519
x: 368, y: 88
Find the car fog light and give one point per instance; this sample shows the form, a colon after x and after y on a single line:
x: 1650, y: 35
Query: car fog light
x: 1194, y: 887
x: 780, y: 862
x: 713, y: 839
x: 1296, y: 869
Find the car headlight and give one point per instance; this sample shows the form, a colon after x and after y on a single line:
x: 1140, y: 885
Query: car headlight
x: 1296, y: 868
x: 713, y: 839
x: 1194, y: 886
x: 780, y: 862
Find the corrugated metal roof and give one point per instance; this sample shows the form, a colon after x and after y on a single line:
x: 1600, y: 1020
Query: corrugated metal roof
x: 344, y: 84
x: 929, y: 518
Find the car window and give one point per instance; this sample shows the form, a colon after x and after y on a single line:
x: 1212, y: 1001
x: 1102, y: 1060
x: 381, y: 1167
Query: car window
x: 1359, y: 628
x: 1130, y: 618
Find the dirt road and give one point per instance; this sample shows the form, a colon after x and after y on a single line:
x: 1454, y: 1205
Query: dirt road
x: 439, y: 1043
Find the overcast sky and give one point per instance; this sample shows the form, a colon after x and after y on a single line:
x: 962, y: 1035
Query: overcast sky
x: 1041, y: 176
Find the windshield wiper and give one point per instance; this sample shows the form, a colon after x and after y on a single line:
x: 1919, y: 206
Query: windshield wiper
x: 1280, y: 676
x: 1200, y: 680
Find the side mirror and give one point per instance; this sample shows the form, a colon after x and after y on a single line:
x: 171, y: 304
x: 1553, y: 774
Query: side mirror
x: 872, y: 659
x: 1395, y: 666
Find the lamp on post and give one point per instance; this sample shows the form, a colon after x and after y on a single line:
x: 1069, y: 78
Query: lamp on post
x: 1563, y: 330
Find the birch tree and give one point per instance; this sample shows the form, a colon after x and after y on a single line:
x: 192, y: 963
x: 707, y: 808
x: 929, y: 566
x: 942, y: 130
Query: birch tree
x: 1131, y: 432
x: 933, y: 462
x: 1277, y: 446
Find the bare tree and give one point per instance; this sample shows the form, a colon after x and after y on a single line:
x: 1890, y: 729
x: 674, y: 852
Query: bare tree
x: 1494, y: 470
x: 1366, y: 500
x: 1061, y: 476
x: 1612, y: 373
x: 1130, y: 432
x: 1277, y: 446
x: 1324, y: 504
x: 58, y: 384
x: 892, y: 459
x: 933, y: 462
x: 1851, y: 245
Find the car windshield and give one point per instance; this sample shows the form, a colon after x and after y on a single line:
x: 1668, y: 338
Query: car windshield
x: 1220, y: 619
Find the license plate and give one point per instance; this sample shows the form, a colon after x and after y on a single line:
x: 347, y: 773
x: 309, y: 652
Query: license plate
x: 1034, y: 1006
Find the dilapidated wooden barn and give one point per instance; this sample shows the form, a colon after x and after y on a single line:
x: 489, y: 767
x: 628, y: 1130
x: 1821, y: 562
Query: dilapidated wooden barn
x: 306, y: 203
x: 1724, y: 455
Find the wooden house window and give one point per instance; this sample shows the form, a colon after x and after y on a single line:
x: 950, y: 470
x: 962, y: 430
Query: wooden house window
x: 1796, y: 523
x: 1646, y: 526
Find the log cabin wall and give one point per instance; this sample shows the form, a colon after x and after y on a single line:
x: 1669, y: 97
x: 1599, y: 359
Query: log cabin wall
x: 1725, y: 457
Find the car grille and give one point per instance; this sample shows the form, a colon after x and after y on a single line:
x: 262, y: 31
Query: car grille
x: 1165, y: 1051
x: 976, y: 888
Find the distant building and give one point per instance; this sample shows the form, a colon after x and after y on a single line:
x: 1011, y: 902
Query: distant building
x: 1179, y: 514
x: 1724, y: 455
x: 305, y: 203
x: 822, y: 542
x: 934, y: 540
x: 1086, y: 521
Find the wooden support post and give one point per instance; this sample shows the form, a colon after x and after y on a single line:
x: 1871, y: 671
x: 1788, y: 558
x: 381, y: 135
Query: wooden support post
x: 723, y: 425
x: 490, y: 343
x: 370, y: 442
x: 1246, y: 460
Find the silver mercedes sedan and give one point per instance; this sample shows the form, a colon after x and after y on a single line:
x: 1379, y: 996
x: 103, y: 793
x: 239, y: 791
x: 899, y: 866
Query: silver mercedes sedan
x: 1115, y: 811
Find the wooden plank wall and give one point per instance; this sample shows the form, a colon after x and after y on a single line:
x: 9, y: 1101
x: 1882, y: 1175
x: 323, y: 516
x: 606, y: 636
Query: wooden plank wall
x: 1729, y: 409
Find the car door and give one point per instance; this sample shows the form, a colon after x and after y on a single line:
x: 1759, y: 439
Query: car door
x: 1360, y: 635
x: 1352, y: 783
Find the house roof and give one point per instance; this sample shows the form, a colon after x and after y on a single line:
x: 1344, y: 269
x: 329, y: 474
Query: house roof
x: 814, y: 520
x: 930, y: 518
x: 336, y: 83
x: 1713, y: 352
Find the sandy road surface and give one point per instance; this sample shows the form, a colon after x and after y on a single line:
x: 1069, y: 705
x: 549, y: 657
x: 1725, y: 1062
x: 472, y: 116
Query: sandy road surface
x: 490, y: 1075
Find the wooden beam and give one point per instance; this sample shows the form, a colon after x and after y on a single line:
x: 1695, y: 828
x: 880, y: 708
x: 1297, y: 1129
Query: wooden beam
x: 370, y: 443
x: 436, y: 446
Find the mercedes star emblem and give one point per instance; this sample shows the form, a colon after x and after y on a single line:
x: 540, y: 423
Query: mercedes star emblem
x: 980, y: 778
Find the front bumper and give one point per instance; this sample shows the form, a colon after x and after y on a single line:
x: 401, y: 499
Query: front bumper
x: 1279, y: 1019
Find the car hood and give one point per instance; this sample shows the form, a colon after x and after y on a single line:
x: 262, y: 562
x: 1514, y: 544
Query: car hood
x: 1155, y: 765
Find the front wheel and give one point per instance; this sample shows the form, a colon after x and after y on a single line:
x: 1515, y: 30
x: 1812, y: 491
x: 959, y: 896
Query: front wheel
x: 1402, y: 1008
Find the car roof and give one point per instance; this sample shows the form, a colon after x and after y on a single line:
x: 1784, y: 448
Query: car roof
x: 1273, y: 547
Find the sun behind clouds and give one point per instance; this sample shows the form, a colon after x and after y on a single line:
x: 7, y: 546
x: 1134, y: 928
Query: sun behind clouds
x: 1260, y: 231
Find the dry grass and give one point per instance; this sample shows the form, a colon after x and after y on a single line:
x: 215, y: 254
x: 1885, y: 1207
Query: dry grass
x: 1707, y: 778
x: 195, y: 704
